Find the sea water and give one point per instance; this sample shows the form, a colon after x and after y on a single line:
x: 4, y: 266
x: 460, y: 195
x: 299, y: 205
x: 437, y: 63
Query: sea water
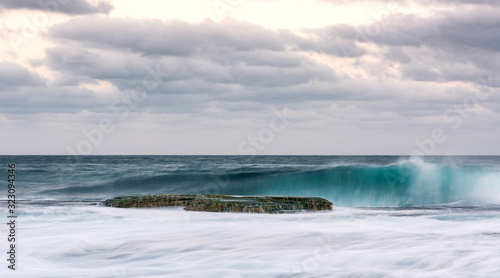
x: 393, y: 217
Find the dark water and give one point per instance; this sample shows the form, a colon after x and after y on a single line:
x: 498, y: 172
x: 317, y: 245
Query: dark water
x: 361, y: 181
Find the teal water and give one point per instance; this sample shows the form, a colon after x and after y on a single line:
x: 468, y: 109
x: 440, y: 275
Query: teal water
x: 394, y: 217
x: 347, y: 181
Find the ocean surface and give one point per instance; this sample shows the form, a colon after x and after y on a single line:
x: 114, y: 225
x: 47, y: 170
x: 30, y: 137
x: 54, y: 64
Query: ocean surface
x: 394, y: 216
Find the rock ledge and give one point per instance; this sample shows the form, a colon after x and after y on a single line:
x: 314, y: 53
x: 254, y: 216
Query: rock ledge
x: 223, y: 203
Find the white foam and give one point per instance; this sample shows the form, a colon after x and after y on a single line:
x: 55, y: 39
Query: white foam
x: 90, y: 241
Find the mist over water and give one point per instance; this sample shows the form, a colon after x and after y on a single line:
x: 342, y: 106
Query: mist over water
x: 433, y: 217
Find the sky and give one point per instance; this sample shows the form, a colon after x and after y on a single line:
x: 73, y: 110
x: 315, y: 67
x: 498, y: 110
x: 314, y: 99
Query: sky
x: 249, y: 77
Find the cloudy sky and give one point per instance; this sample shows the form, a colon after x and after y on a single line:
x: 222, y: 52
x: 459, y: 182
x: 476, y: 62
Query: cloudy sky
x: 249, y: 77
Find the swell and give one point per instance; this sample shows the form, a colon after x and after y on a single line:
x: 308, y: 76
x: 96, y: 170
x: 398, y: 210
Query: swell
x: 401, y: 184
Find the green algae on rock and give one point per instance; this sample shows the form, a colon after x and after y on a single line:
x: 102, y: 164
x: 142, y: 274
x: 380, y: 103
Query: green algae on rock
x: 223, y: 203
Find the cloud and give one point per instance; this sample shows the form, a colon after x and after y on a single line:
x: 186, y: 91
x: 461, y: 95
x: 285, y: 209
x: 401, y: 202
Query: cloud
x: 52, y: 99
x: 174, y: 38
x: 230, y: 63
x: 468, y: 28
x: 13, y: 75
x: 474, y: 28
x: 231, y: 75
x: 419, y: 2
x: 124, y: 69
x: 370, y: 86
x: 179, y: 38
x: 230, y: 53
x: 455, y: 45
x: 62, y: 6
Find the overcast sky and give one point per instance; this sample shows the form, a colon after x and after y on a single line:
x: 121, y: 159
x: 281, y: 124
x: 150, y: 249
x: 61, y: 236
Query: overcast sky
x: 320, y: 77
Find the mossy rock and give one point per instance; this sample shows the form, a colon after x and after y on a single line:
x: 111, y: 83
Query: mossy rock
x: 223, y: 203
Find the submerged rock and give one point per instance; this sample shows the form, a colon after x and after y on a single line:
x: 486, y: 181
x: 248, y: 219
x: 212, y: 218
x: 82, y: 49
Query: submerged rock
x: 223, y: 203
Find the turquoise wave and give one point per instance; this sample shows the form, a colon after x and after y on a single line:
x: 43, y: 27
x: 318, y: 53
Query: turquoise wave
x: 404, y: 184
x: 362, y: 181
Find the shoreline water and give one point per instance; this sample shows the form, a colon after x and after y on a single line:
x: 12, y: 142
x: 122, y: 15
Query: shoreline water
x: 78, y: 240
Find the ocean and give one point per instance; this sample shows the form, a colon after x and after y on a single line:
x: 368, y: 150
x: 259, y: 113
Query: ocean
x: 394, y: 216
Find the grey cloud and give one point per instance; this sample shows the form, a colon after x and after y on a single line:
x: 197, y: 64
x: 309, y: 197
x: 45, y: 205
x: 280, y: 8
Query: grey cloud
x: 434, y: 71
x: 455, y: 45
x: 476, y: 28
x: 397, y: 54
x: 420, y: 2
x: 210, y: 65
x: 191, y: 84
x: 179, y: 38
x: 176, y: 38
x: 13, y: 75
x: 420, y: 72
x: 61, y: 6
x: 458, y: 2
x: 51, y: 99
x: 330, y: 42
x: 259, y: 68
x: 442, y: 64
